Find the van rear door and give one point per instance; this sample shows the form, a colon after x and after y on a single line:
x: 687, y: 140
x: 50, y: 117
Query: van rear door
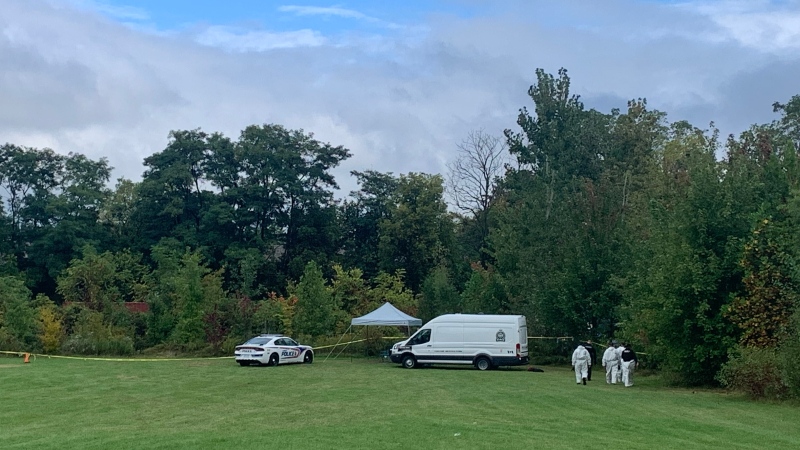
x: 523, y: 337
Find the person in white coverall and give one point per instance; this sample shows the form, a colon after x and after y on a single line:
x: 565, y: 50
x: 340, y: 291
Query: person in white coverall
x: 611, y: 363
x: 620, y: 349
x: 581, y: 362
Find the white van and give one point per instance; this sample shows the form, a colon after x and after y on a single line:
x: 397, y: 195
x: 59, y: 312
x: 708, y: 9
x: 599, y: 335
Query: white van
x: 482, y: 340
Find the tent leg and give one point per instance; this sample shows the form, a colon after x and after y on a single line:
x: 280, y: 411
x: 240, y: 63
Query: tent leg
x: 337, y: 343
x: 346, y: 345
x: 340, y: 351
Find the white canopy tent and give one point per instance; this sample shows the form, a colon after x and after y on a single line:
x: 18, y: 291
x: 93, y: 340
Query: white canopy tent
x: 385, y: 315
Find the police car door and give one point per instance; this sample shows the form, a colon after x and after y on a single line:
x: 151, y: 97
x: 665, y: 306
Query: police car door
x: 287, y: 352
x: 294, y: 349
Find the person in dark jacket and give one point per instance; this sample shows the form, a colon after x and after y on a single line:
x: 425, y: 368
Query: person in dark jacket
x: 593, y: 355
x: 629, y: 361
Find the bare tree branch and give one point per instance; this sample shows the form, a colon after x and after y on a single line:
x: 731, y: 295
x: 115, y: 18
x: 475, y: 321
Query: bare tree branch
x: 472, y: 176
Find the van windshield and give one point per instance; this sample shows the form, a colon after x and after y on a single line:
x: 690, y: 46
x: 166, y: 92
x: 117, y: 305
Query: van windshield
x: 421, y: 337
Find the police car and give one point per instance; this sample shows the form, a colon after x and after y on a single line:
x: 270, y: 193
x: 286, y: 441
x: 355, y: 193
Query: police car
x: 272, y: 349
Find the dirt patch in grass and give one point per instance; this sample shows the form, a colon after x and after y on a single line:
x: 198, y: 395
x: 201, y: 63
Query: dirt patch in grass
x: 127, y: 377
x: 198, y: 364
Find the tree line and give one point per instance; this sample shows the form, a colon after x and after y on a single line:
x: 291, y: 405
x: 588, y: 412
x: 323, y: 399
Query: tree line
x: 592, y: 224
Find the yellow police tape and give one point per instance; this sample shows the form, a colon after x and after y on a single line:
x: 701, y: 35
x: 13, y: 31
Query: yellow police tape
x: 84, y: 358
x: 356, y: 341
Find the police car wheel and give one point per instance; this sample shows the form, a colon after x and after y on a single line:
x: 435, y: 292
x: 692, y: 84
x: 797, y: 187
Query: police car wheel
x: 483, y: 363
x: 273, y: 360
x: 409, y: 362
x: 308, y: 358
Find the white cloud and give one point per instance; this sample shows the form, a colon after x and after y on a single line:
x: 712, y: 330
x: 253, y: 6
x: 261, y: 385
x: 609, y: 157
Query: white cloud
x: 335, y: 11
x: 76, y: 81
x: 759, y: 24
x: 240, y: 40
x: 325, y: 11
x: 121, y: 12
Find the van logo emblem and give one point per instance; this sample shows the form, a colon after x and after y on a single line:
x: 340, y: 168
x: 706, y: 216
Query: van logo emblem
x: 501, y: 337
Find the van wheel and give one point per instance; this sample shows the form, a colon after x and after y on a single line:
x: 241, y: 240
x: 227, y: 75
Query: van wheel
x: 409, y: 362
x: 483, y: 363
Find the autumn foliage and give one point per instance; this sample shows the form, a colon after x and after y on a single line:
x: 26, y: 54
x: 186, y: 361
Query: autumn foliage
x: 763, y: 313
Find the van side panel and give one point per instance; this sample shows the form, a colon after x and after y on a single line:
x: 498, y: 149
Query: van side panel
x: 497, y: 340
x: 448, y: 333
x: 448, y: 344
x: 461, y: 338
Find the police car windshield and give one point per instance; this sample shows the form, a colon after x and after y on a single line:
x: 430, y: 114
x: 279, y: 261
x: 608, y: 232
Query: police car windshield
x: 259, y: 340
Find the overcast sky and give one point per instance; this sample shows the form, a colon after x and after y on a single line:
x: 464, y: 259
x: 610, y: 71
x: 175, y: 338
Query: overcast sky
x: 398, y: 83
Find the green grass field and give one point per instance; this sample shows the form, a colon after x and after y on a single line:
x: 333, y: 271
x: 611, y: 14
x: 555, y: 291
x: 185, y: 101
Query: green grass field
x: 56, y: 403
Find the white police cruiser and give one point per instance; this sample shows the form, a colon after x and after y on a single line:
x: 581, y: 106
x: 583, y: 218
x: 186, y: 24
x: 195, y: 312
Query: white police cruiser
x: 272, y: 349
